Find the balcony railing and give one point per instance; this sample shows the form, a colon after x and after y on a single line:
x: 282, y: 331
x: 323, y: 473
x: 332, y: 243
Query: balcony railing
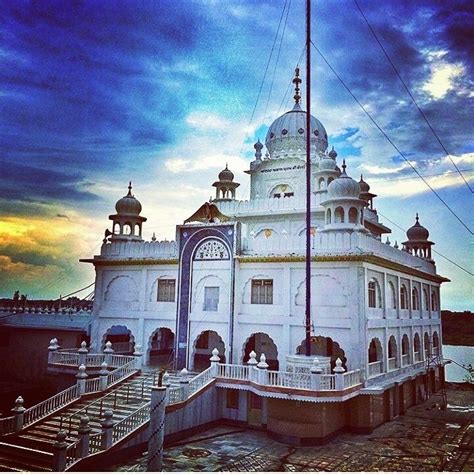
x: 392, y: 363
x: 405, y: 360
x: 375, y: 368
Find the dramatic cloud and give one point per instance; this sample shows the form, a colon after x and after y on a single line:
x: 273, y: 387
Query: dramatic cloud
x: 94, y: 94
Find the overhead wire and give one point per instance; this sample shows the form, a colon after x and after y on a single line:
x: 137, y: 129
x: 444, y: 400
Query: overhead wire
x: 364, y: 109
x: 420, y: 110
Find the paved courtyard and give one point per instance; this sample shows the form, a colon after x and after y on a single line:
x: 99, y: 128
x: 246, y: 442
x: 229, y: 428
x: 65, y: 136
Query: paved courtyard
x: 424, y: 439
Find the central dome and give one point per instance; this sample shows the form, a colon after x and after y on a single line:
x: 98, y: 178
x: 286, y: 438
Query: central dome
x: 287, y: 134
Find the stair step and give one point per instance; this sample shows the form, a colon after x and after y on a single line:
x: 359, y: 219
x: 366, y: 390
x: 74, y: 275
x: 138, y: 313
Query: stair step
x: 24, y: 458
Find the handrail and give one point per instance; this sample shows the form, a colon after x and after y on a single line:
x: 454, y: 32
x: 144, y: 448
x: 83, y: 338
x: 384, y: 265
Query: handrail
x: 44, y: 408
x: 121, y: 372
x: 100, y: 401
x: 7, y: 425
x: 200, y: 380
x: 126, y: 425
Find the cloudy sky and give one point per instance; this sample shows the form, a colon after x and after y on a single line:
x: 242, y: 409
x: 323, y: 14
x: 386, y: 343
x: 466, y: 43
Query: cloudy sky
x: 96, y: 93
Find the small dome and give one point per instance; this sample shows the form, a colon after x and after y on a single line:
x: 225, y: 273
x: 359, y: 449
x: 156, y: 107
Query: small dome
x: 364, y: 187
x: 417, y: 231
x: 226, y: 174
x: 343, y: 186
x: 128, y: 205
x: 327, y: 164
x: 333, y: 154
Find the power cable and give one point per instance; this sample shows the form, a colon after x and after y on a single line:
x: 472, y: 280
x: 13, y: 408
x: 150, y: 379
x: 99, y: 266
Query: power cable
x: 434, y: 251
x: 390, y: 140
x: 277, y: 59
x: 411, y: 95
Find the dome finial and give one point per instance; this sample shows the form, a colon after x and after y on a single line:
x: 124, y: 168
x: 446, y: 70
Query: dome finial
x: 129, y: 188
x: 417, y: 219
x: 297, y: 82
x: 344, y: 166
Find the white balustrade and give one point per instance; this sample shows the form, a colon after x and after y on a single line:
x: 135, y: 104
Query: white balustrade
x: 375, y: 368
x: 93, y: 385
x: 131, y: 422
x: 50, y: 405
x: 351, y: 378
x: 392, y: 363
x: 200, y: 380
x: 118, y: 360
x: 289, y: 379
x: 174, y: 395
x: 7, y: 425
x: 158, y: 250
x: 94, y: 360
x: 64, y: 358
x: 328, y: 382
x: 122, y: 372
x: 233, y: 371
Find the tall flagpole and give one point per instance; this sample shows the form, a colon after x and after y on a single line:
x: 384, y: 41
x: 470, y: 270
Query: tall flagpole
x: 308, y: 180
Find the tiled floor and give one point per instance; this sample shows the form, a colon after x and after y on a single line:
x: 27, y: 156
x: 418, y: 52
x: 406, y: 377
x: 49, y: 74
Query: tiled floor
x: 425, y: 439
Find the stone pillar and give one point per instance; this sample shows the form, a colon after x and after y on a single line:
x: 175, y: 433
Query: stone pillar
x: 81, y: 377
x: 139, y: 357
x: 215, y: 359
x: 263, y: 370
x: 252, y: 363
x: 84, y: 433
x: 103, y: 376
x: 184, y: 384
x: 316, y: 371
x: 83, y: 353
x: 59, y: 452
x: 53, y: 347
x: 108, y: 351
x: 157, y: 429
x: 18, y: 413
x: 107, y: 429
x: 339, y: 372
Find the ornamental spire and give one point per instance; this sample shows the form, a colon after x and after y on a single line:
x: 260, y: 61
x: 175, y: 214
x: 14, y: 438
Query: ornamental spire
x: 297, y: 82
x: 129, y: 188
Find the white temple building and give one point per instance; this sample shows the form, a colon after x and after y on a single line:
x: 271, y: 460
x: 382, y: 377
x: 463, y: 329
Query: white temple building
x: 235, y: 276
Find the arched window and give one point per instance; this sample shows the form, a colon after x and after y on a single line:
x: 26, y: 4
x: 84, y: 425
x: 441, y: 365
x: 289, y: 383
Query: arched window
x: 331, y: 179
x: 353, y: 215
x: 127, y: 229
x: 415, y: 299
x: 434, y: 301
x: 374, y: 297
x: 427, y: 344
x: 339, y: 215
x: 417, y: 347
x: 392, y: 353
x: 328, y: 216
x: 426, y: 300
x: 392, y: 295
x: 282, y: 191
x: 375, y: 351
x: 435, y: 343
x: 403, y: 297
x: 405, y: 350
x: 322, y: 183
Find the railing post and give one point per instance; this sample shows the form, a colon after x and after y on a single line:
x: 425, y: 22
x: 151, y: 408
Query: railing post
x: 107, y: 429
x: 108, y: 351
x: 84, y: 431
x: 215, y: 359
x: 81, y: 377
x: 82, y: 351
x: 263, y: 370
x: 157, y: 429
x: 53, y: 347
x: 59, y: 452
x: 339, y: 373
x: 18, y: 413
x: 103, y: 376
x: 316, y: 371
x: 184, y: 384
x: 252, y: 363
x: 139, y: 357
x: 166, y: 379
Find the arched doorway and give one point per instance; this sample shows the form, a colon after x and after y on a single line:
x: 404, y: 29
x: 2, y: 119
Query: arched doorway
x: 375, y: 357
x: 203, y: 346
x: 121, y: 338
x: 262, y: 343
x: 161, y: 348
x: 324, y: 346
x: 392, y: 353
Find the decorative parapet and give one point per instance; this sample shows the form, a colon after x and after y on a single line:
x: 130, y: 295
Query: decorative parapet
x: 139, y: 250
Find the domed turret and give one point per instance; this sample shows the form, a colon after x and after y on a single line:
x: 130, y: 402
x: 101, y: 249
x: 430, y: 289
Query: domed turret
x: 418, y: 243
x: 364, y: 187
x: 127, y: 223
x: 129, y: 205
x: 343, y: 206
x: 365, y: 195
x: 343, y: 186
x: 286, y: 136
x: 225, y: 187
x: 417, y: 232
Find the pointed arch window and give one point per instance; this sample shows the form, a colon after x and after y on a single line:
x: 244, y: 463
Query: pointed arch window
x: 403, y: 297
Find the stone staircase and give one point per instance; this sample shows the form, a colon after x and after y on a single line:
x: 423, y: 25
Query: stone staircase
x: 32, y: 448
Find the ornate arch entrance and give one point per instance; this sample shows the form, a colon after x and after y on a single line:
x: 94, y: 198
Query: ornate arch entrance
x: 262, y: 343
